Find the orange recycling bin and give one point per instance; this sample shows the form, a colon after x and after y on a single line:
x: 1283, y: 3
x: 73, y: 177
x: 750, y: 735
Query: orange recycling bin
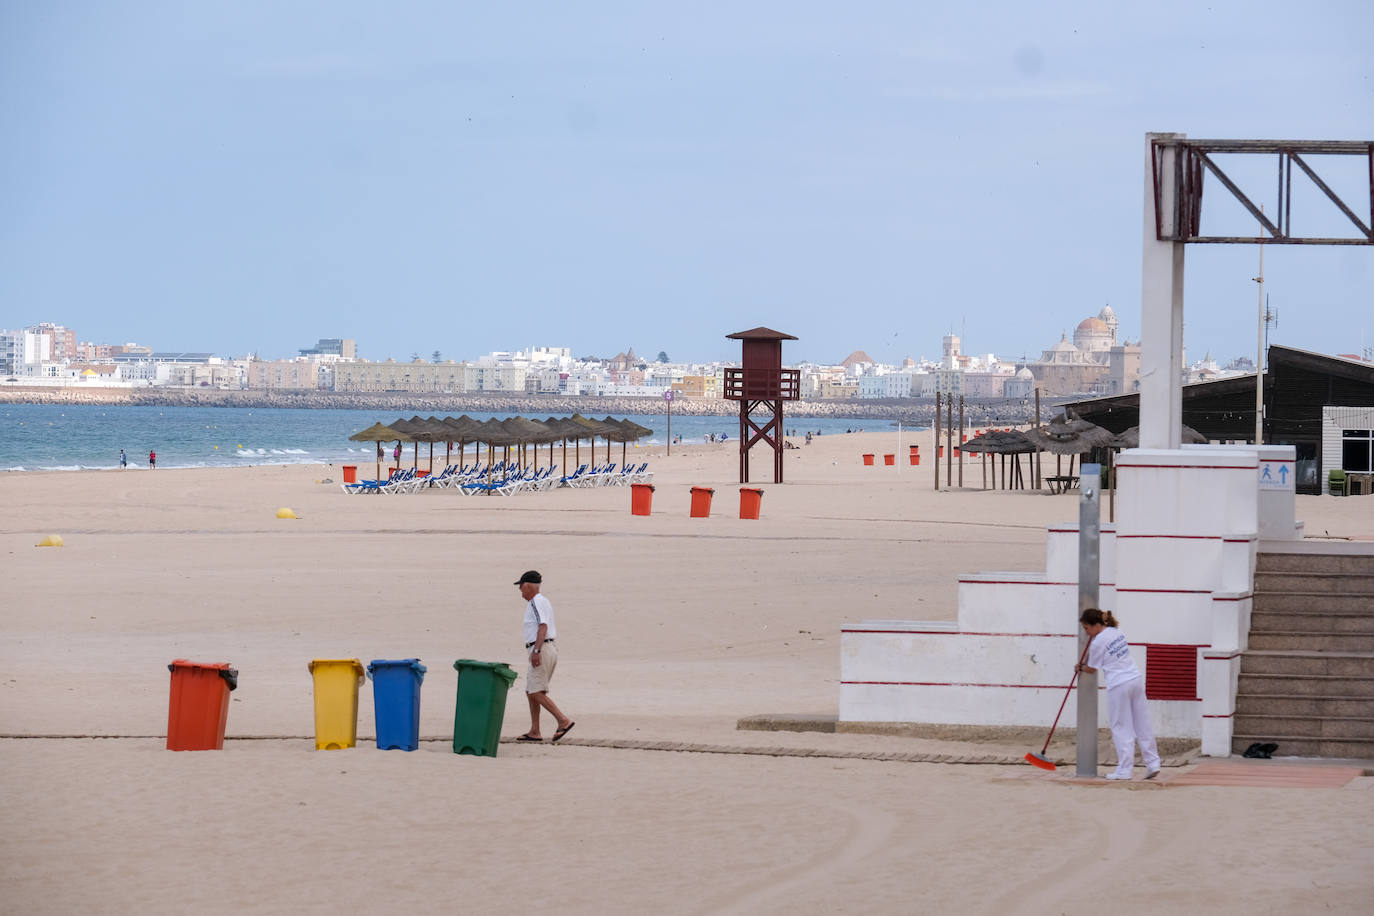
x: 701, y: 502
x: 868, y: 459
x: 350, y: 472
x: 750, y: 499
x: 915, y: 454
x: 199, y: 705
x: 889, y: 460
x: 422, y: 473
x: 641, y: 499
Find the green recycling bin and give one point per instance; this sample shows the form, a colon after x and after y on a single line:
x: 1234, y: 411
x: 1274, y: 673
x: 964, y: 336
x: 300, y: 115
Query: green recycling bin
x: 480, y: 706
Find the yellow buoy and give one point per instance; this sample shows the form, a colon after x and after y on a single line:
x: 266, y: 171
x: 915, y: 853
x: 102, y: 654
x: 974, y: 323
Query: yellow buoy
x: 285, y: 513
x: 52, y: 540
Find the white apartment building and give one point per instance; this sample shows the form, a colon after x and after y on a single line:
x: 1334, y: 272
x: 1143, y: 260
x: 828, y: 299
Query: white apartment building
x: 23, y: 353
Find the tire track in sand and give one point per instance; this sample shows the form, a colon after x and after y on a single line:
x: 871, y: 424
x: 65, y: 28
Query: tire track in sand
x: 868, y: 831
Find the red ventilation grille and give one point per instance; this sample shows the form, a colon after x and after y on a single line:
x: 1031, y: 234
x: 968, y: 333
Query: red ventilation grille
x: 1170, y: 672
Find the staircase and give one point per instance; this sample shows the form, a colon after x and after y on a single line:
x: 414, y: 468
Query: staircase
x: 1307, y: 679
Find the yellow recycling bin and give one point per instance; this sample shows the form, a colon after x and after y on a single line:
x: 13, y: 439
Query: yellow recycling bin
x: 336, y: 701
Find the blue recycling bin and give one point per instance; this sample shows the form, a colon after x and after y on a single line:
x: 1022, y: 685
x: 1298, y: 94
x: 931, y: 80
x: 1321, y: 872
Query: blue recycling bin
x: 396, y: 699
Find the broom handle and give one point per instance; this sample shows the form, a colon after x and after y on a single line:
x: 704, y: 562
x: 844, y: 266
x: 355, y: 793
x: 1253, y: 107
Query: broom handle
x: 1065, y: 701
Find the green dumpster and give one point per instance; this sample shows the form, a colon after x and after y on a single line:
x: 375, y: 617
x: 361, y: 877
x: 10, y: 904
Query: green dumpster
x: 481, y: 706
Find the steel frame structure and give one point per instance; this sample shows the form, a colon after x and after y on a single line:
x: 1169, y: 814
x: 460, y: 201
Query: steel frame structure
x: 1174, y: 171
x: 1193, y: 159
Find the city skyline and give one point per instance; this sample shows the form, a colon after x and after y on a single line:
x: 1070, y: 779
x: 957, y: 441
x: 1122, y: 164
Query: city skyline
x: 248, y: 177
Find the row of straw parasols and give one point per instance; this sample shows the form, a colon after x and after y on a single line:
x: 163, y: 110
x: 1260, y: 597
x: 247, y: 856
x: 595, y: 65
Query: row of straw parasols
x: 520, y: 433
x: 1063, y: 435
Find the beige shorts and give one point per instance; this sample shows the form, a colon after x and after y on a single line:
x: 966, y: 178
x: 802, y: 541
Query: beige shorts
x: 537, y: 679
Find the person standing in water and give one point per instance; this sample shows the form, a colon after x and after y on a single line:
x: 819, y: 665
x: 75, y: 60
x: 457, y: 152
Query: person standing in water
x: 123, y: 459
x: 152, y: 461
x: 1127, y: 711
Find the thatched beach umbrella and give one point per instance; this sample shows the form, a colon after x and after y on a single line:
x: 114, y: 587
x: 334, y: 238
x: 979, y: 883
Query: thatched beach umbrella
x: 379, y: 433
x: 1131, y: 437
x: 531, y: 431
x: 1001, y: 442
x: 629, y: 432
x: 410, y: 428
x: 463, y: 429
x: 493, y: 434
x: 1070, y: 436
x: 595, y: 428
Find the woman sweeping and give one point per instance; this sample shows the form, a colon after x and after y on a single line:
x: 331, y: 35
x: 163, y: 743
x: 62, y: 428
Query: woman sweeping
x: 1126, y: 709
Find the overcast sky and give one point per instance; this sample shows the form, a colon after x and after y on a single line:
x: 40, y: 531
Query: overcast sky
x: 251, y: 176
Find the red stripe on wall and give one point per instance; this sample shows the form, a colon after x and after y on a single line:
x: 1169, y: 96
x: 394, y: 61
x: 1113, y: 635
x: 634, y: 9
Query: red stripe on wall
x: 1023, y: 582
x: 1169, y: 591
x: 954, y: 684
x: 1191, y: 467
x: 1181, y: 537
x: 950, y: 633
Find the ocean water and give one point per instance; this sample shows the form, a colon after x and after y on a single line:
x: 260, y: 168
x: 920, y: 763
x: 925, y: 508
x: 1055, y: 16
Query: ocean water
x: 79, y: 437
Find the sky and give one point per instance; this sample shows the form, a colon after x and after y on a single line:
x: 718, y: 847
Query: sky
x: 248, y: 177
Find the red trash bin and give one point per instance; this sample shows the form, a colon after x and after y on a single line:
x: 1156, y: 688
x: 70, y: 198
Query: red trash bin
x: 199, y: 705
x: 750, y: 499
x: 868, y: 459
x: 889, y: 460
x: 701, y: 502
x: 350, y: 472
x: 915, y: 455
x: 641, y: 499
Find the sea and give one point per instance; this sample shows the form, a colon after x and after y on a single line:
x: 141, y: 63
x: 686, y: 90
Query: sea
x: 44, y: 437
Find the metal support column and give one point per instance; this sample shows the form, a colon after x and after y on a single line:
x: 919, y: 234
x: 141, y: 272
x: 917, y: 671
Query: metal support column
x: 1089, y: 576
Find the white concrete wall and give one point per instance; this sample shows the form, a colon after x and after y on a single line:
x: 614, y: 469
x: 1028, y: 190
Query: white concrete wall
x: 1177, y: 568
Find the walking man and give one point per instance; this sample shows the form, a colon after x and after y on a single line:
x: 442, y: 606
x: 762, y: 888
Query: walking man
x: 152, y: 461
x: 540, y: 633
x: 123, y: 459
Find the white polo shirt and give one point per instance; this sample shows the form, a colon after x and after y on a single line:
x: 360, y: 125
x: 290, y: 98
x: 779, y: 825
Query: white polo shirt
x: 537, y: 611
x: 1111, y: 655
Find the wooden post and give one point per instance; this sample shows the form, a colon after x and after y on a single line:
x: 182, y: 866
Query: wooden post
x: 961, y: 441
x: 936, y: 447
x: 949, y: 441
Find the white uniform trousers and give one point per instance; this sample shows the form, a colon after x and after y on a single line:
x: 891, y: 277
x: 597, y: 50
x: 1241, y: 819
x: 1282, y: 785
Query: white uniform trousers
x: 1129, y: 716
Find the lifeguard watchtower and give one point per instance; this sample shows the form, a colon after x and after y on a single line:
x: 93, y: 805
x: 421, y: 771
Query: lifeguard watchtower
x: 761, y: 383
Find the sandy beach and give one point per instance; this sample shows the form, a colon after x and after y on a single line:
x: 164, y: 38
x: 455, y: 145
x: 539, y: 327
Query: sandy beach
x: 671, y: 629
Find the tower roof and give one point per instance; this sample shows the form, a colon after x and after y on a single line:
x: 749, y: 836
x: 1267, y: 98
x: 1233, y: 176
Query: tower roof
x: 760, y: 333
x: 858, y: 356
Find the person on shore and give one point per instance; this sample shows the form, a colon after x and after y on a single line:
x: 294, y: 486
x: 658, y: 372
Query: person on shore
x: 123, y: 459
x: 152, y: 461
x: 1127, y: 711
x: 540, y: 633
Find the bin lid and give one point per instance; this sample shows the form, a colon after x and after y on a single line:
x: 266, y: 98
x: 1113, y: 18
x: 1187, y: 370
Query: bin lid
x: 230, y: 675
x: 353, y: 663
x: 411, y: 663
x: 498, y: 668
x: 336, y: 661
x: 184, y: 663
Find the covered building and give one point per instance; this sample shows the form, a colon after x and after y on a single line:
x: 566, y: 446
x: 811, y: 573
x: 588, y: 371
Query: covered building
x: 1299, y: 387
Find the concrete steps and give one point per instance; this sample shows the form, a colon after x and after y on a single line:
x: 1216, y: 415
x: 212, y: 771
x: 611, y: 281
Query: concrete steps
x: 1299, y: 639
x: 1307, y: 679
x: 1301, y: 746
x: 1321, y: 583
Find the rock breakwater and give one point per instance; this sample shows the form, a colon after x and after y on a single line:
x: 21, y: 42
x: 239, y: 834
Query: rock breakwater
x: 915, y: 411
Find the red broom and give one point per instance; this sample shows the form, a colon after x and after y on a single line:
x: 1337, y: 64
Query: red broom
x: 1040, y: 760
